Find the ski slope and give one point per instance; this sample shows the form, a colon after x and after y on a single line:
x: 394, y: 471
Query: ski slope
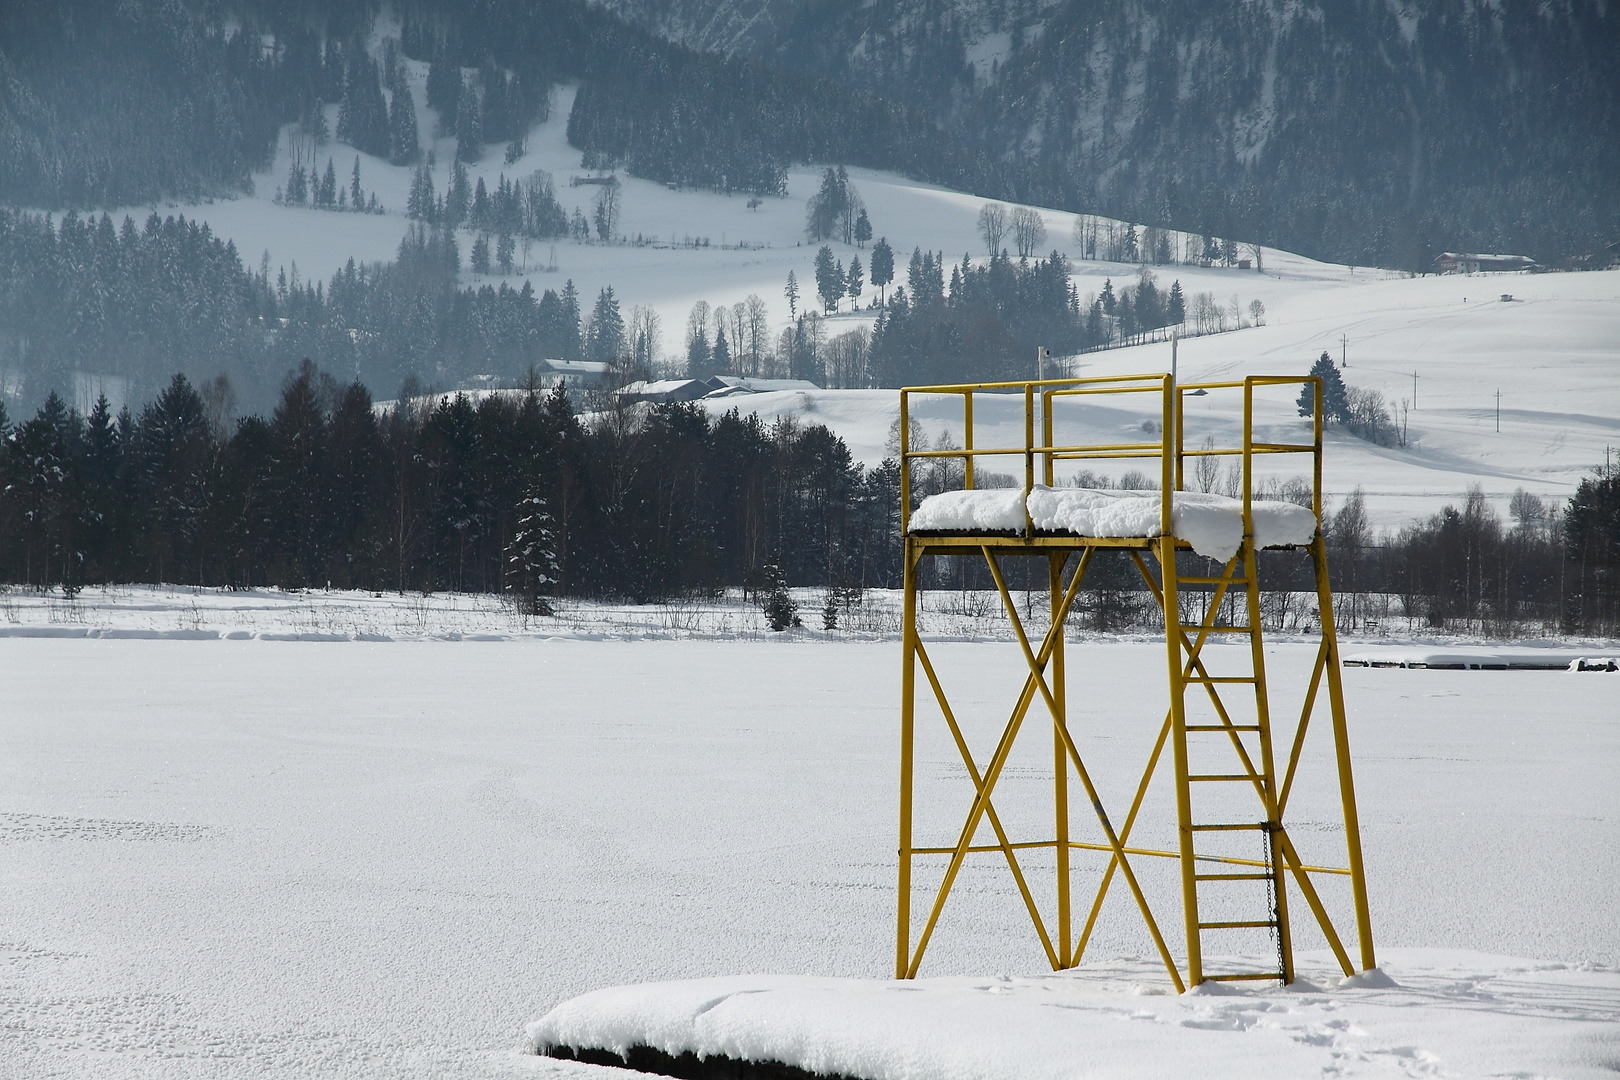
x: 1551, y: 351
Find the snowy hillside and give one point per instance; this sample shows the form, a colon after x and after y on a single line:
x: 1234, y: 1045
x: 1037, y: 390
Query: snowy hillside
x: 1550, y: 351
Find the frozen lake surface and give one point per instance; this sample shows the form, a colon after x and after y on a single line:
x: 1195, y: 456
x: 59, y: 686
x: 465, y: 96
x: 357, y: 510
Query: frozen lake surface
x: 272, y: 859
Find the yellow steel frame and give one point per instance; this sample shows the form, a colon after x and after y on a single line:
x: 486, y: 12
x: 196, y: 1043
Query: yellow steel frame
x: 1047, y: 678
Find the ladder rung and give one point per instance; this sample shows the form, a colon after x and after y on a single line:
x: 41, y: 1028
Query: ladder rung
x: 1229, y: 828
x: 1210, y: 580
x: 1222, y: 727
x: 1237, y: 924
x: 1219, y: 678
x: 1201, y: 777
x: 1244, y: 975
x: 1231, y: 877
x: 1221, y: 629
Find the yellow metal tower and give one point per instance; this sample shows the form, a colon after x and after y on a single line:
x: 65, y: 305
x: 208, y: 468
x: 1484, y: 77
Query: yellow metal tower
x: 1215, y: 805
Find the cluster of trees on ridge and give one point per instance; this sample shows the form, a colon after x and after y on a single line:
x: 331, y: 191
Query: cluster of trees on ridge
x: 516, y: 493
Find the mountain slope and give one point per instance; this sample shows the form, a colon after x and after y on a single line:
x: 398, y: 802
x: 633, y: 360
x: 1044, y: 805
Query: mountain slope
x: 1366, y: 131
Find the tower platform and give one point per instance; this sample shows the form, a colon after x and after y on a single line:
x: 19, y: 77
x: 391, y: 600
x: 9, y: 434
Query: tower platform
x: 1218, y: 726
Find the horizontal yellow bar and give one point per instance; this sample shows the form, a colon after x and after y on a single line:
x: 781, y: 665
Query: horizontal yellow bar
x: 1129, y: 851
x: 1102, y: 390
x: 957, y: 388
x: 1020, y: 846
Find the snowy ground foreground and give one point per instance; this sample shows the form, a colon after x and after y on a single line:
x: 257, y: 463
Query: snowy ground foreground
x: 1444, y: 1013
x: 252, y: 859
x: 1550, y: 351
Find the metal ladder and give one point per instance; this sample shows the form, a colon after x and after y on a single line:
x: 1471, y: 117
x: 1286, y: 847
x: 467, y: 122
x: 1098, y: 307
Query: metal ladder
x: 1209, y: 803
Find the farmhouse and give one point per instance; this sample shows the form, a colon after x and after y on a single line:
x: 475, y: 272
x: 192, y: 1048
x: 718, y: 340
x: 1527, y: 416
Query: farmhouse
x: 1464, y: 262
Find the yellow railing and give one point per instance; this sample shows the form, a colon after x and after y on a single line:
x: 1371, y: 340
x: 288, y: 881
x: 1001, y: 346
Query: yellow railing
x: 1169, y: 450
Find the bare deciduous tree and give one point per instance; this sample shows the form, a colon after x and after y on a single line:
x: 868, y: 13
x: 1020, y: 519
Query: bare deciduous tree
x: 993, y: 226
x: 1029, y: 231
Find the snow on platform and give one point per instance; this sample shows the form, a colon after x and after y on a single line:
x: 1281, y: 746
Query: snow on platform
x: 1427, y: 1012
x: 1212, y: 524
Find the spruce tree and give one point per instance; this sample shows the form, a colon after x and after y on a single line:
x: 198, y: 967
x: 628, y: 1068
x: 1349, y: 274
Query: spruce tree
x: 469, y: 126
x: 1335, y: 399
x: 780, y: 609
x: 853, y: 280
x: 863, y: 228
x: 480, y: 254
x: 403, y: 145
x: 882, y: 267
x: 722, y: 352
x: 531, y: 562
x: 829, y: 279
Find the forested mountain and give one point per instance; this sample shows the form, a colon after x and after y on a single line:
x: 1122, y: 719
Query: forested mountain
x: 1368, y: 131
x: 113, y: 103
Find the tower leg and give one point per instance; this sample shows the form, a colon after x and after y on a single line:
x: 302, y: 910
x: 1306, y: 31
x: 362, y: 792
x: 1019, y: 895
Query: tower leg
x: 1169, y: 595
x: 1060, y: 758
x: 908, y: 695
x: 1341, y: 747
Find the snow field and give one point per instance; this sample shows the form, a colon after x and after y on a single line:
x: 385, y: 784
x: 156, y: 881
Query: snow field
x: 281, y: 858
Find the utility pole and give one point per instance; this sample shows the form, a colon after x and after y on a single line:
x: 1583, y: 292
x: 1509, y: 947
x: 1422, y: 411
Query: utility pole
x: 1414, y: 389
x: 1499, y: 410
x: 1344, y: 350
x: 1041, y: 353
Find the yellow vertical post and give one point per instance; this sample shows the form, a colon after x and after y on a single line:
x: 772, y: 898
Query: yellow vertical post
x: 1166, y: 550
x: 1046, y: 434
x: 1060, y: 757
x: 1029, y: 453
x: 908, y: 692
x: 1341, y: 732
x: 1341, y: 748
x: 1169, y: 596
x: 967, y: 437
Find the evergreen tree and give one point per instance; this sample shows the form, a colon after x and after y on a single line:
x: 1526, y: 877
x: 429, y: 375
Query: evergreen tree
x: 329, y: 185
x: 1335, y: 398
x: 792, y: 294
x: 830, y: 283
x: 1176, y: 310
x: 505, y: 249
x: 780, y: 609
x: 882, y: 267
x: 531, y: 562
x: 444, y: 91
x: 480, y: 254
x: 356, y: 196
x: 403, y: 144
x: 469, y: 126
x: 362, y: 114
x: 457, y: 196
x: 863, y: 228
x: 853, y: 279
x: 605, y: 343
x: 722, y: 352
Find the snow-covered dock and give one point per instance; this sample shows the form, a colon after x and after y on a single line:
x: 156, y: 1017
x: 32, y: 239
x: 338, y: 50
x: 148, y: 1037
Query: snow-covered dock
x: 1427, y: 1012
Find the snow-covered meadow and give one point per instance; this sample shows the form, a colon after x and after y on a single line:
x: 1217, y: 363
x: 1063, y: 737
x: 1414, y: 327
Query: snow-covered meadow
x: 280, y: 858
